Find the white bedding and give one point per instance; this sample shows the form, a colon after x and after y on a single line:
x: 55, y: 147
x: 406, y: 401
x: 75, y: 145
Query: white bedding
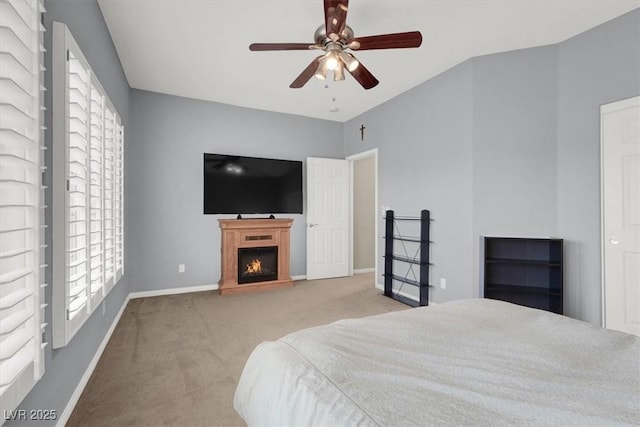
x: 466, y: 362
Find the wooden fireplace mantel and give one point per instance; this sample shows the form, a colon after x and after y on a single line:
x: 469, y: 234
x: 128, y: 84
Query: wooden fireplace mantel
x: 253, y: 233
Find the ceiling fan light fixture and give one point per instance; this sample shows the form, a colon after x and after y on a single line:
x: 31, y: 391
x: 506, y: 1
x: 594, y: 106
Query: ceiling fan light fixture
x: 321, y: 72
x: 338, y: 73
x: 331, y: 60
x: 349, y: 61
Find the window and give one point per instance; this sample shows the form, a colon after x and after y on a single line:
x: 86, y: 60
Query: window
x: 21, y: 200
x: 88, y: 189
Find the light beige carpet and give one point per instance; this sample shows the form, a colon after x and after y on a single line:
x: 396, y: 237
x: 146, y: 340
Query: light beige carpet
x: 176, y: 360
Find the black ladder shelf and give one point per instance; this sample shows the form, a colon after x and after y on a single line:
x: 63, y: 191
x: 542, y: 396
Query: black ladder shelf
x: 420, y: 259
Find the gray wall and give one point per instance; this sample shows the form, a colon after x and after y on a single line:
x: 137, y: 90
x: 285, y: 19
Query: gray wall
x: 424, y: 139
x: 64, y: 367
x: 594, y: 68
x: 514, y: 147
x: 507, y: 144
x: 167, y: 140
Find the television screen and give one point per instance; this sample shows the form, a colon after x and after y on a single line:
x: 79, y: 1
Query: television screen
x: 251, y: 185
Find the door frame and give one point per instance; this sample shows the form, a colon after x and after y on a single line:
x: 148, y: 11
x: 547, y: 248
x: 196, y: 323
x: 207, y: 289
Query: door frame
x: 352, y: 159
x: 604, y: 109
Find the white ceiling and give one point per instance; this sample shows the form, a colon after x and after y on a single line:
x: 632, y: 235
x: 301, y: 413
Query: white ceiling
x: 200, y: 48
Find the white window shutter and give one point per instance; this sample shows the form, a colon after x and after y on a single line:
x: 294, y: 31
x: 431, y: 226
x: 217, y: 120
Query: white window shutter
x: 119, y: 201
x: 21, y: 200
x: 78, y: 176
x: 84, y: 160
x: 109, y: 230
x: 96, y: 195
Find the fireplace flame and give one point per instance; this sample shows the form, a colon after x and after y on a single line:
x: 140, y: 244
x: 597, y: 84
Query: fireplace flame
x: 254, y: 267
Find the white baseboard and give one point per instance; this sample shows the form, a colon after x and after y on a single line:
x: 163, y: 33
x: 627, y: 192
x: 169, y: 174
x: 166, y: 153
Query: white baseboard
x: 360, y: 271
x: 173, y: 291
x: 404, y: 294
x: 64, y: 417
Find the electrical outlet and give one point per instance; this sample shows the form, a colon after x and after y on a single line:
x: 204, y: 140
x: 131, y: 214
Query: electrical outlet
x: 180, y: 268
x: 443, y: 283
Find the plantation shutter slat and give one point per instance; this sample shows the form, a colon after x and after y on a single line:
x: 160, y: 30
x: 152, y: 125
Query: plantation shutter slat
x: 15, y: 366
x: 15, y: 297
x: 14, y: 320
x: 14, y: 343
x: 21, y: 196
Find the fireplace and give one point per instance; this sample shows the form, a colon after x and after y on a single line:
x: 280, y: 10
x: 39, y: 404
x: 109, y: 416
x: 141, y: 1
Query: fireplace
x: 257, y: 264
x: 254, y: 254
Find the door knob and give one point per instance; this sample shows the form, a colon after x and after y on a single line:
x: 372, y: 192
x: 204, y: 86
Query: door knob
x: 311, y: 225
x: 614, y: 240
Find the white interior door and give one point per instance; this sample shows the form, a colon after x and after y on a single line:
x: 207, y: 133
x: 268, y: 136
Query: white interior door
x: 327, y: 218
x: 620, y: 126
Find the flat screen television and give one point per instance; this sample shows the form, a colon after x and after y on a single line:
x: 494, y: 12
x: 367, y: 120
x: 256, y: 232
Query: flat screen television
x: 251, y: 185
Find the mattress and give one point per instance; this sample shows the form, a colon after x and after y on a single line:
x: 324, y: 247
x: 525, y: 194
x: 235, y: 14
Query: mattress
x: 465, y: 362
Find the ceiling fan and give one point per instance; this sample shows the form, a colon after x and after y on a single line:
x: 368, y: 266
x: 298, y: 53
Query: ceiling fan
x: 336, y: 38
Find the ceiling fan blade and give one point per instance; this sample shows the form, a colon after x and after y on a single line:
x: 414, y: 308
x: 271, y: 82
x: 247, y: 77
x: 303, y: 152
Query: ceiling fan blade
x: 256, y: 47
x: 306, y: 74
x: 364, y: 76
x: 336, y: 24
x: 329, y: 12
x: 387, y: 41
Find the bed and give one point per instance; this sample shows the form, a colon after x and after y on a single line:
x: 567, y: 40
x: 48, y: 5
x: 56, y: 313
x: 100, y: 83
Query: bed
x: 465, y: 362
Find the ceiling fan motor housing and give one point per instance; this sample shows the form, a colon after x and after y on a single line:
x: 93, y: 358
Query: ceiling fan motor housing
x: 321, y: 38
